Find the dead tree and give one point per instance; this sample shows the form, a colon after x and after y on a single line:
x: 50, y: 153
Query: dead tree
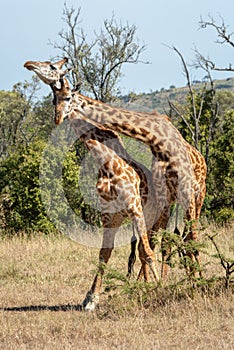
x: 224, y: 37
x: 198, y: 99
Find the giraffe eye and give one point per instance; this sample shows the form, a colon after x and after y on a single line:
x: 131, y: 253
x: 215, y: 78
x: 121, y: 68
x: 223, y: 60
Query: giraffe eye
x: 52, y: 67
x: 67, y: 98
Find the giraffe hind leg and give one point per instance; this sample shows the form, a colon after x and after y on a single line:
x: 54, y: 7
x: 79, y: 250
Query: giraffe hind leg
x: 146, y: 254
x: 190, y: 236
x: 132, y: 256
x: 147, y: 258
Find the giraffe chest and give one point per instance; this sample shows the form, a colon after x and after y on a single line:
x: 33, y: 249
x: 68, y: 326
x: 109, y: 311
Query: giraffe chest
x: 116, y: 188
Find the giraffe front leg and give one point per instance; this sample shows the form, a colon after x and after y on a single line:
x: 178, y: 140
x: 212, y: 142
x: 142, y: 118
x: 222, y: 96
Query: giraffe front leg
x: 191, y: 254
x: 92, y: 297
x: 111, y: 224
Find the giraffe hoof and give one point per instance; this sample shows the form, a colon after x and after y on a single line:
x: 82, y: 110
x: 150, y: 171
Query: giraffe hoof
x: 90, y: 302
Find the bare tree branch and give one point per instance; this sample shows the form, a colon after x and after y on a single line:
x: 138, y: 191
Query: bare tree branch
x: 99, y: 63
x: 195, y: 117
x: 180, y: 114
x: 201, y: 101
x: 224, y: 38
x: 227, y: 264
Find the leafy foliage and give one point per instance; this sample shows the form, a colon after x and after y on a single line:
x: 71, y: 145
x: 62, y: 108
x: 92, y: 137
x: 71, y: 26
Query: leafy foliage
x: 221, y: 176
x: 20, y: 192
x: 26, y: 123
x: 12, y: 106
x: 216, y: 144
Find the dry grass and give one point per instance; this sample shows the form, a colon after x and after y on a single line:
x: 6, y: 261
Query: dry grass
x: 43, y: 280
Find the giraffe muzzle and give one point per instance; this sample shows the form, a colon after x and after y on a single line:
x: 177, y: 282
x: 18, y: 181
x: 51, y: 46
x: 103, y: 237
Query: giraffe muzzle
x: 29, y: 65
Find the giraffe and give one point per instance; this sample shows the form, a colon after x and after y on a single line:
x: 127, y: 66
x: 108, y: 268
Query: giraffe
x: 61, y: 96
x: 125, y: 190
x: 181, y: 166
x: 67, y: 98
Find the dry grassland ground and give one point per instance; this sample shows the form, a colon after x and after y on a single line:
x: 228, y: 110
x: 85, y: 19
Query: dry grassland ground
x: 43, y: 280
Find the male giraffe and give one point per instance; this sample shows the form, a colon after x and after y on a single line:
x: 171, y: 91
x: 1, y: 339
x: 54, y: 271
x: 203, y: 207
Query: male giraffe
x: 183, y: 166
x: 123, y: 185
x: 67, y: 108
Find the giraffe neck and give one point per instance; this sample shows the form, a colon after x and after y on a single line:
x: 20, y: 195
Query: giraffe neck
x: 105, y: 144
x: 153, y: 129
x: 92, y: 135
x: 166, y: 143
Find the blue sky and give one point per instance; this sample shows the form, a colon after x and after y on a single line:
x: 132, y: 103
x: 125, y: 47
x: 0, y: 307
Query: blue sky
x: 27, y: 26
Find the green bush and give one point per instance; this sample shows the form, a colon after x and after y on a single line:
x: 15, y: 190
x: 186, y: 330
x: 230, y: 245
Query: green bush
x: 34, y: 183
x: 20, y: 193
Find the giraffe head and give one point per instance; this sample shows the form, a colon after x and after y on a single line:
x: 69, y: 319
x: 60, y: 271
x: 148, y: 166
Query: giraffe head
x: 52, y: 74
x: 49, y: 73
x: 63, y: 100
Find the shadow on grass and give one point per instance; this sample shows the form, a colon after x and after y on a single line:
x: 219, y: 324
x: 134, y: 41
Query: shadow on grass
x: 55, y: 308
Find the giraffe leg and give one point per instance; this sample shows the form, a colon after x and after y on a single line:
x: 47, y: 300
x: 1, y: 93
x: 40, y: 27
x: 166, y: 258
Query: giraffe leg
x: 146, y: 254
x: 111, y: 224
x: 132, y: 256
x: 161, y: 223
x: 165, y: 246
x: 191, y: 235
x: 199, y: 203
x: 166, y: 252
x: 144, y: 272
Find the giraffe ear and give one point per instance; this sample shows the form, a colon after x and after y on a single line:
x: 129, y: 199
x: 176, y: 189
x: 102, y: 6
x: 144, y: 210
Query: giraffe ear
x: 56, y: 85
x: 60, y: 84
x: 64, y: 83
x: 77, y: 87
x: 63, y: 73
